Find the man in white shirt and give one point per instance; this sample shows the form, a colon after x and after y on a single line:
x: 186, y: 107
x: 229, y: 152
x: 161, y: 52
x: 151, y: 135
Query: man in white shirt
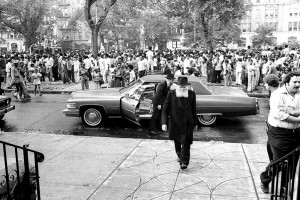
x: 49, y: 67
x: 150, y: 56
x: 107, y: 69
x: 76, y: 69
x: 142, y: 66
x: 284, y: 122
x: 8, y: 72
x: 87, y: 63
x: 186, y: 64
x: 286, y: 50
x: 132, y: 76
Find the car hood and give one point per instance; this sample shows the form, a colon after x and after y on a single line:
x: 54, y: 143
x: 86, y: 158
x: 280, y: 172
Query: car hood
x: 106, y: 92
x: 231, y: 91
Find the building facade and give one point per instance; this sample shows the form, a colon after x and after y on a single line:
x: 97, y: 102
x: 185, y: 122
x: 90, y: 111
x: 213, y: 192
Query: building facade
x: 283, y: 15
x: 10, y: 42
x: 75, y: 35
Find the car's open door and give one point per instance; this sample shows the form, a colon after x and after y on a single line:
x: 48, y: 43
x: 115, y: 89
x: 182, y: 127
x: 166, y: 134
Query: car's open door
x: 137, y: 104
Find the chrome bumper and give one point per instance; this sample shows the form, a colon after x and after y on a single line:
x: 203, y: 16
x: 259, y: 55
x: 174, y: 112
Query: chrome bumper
x: 6, y: 110
x: 71, y: 113
x: 257, y: 107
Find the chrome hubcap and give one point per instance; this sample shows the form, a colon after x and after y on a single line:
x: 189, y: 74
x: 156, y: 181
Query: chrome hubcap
x: 93, y: 117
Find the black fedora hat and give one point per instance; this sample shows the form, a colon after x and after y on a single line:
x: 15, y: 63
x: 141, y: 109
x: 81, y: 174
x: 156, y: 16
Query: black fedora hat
x: 170, y: 76
x: 183, y: 81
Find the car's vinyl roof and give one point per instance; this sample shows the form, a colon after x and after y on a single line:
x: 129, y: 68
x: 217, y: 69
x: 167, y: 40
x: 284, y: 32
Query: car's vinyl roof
x: 196, y: 83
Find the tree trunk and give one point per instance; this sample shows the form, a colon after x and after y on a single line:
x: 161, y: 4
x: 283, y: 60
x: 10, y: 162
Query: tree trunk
x: 95, y: 32
x: 210, y: 68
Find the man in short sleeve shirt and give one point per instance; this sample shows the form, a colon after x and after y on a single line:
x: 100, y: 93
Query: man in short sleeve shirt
x: 284, y: 120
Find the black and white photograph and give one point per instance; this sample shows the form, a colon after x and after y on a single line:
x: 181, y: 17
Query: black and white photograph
x: 149, y: 99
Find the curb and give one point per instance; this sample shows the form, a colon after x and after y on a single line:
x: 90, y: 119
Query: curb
x: 257, y: 95
x: 43, y: 91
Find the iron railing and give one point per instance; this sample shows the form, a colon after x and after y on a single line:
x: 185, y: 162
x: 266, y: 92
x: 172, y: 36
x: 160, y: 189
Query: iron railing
x: 285, y: 177
x: 19, y: 178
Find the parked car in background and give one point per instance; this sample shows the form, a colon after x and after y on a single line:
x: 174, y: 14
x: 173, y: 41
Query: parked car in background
x: 134, y: 102
x: 5, y: 106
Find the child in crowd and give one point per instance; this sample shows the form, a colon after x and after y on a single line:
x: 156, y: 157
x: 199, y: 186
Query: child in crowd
x: 98, y: 80
x: 36, y: 76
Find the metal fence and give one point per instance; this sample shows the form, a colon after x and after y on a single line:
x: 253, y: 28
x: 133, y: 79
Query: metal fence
x: 285, y: 177
x: 19, y: 172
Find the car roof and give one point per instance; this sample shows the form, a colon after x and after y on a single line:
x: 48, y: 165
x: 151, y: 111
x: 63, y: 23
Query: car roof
x: 196, y: 83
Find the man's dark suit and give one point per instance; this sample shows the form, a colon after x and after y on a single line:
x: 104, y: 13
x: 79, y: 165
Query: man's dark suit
x: 159, y: 99
x: 182, y: 120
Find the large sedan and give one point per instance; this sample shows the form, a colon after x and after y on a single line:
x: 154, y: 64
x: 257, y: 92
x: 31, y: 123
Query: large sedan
x: 135, y: 102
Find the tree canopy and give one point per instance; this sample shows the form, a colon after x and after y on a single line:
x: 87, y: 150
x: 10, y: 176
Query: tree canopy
x: 263, y: 36
x: 28, y: 18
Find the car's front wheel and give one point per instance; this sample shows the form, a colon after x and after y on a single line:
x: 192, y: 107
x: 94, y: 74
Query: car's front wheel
x: 92, y: 117
x: 207, y: 120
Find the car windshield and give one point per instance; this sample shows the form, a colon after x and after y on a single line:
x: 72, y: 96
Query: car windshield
x: 129, y: 87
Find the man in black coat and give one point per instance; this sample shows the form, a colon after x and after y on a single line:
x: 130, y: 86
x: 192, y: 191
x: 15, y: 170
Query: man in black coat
x: 180, y: 106
x: 158, y: 102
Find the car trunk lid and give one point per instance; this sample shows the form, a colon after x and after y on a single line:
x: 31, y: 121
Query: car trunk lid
x: 108, y: 92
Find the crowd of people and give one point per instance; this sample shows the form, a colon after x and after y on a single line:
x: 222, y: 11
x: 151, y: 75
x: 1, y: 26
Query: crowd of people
x: 116, y: 69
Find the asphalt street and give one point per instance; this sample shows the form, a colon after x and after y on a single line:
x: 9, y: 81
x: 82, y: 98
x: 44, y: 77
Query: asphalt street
x: 43, y: 114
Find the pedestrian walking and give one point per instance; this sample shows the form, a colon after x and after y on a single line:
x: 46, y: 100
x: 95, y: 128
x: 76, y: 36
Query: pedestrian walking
x: 36, y: 76
x: 158, y: 102
x: 84, y: 73
x: 180, y: 105
x: 227, y: 70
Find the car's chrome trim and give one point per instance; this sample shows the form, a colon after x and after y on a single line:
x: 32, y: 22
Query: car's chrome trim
x: 145, y: 116
x: 71, y: 113
x: 6, y: 110
x: 210, y: 114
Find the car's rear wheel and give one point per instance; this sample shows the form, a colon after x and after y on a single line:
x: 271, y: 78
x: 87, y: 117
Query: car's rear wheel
x: 207, y: 120
x: 92, y: 117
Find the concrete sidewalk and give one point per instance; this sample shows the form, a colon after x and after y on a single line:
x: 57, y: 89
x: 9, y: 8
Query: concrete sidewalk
x: 79, y: 167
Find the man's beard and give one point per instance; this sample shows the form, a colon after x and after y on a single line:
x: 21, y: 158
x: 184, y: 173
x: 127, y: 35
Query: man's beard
x: 184, y: 94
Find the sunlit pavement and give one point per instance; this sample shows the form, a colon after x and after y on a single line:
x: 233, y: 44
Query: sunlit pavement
x: 79, y: 167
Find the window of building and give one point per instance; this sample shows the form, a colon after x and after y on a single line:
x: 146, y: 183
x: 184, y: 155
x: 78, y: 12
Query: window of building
x: 296, y: 14
x: 290, y: 26
x: 299, y: 26
x: 246, y: 27
x: 276, y: 12
x: 291, y: 14
x: 242, y: 42
x: 14, y: 47
x: 295, y: 26
x: 267, y: 13
x: 79, y: 36
x: 11, y: 36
